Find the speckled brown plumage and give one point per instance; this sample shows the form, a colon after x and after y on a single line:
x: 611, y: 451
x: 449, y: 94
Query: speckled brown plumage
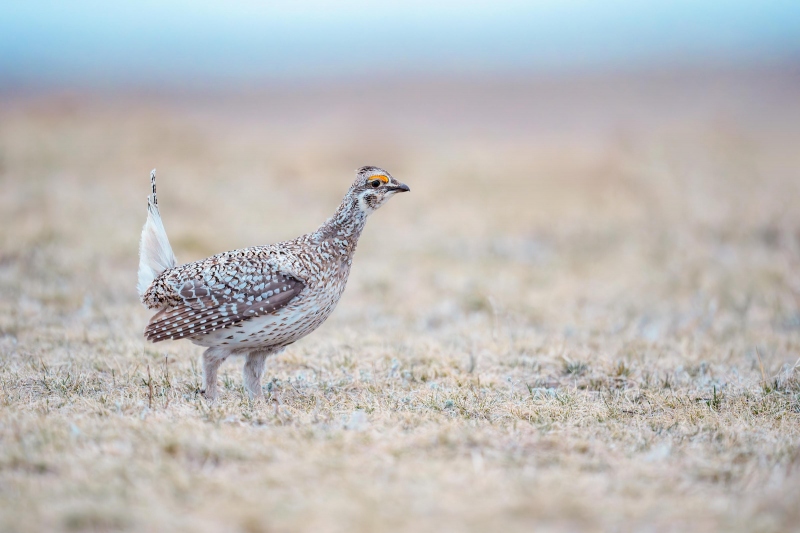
x: 257, y: 300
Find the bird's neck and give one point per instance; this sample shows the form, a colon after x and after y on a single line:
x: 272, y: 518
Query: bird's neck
x: 345, y: 226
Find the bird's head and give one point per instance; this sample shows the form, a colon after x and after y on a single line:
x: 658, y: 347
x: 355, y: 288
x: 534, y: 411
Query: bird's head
x: 373, y: 187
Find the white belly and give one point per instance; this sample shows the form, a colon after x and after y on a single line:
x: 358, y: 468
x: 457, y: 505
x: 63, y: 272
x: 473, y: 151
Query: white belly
x: 274, y: 330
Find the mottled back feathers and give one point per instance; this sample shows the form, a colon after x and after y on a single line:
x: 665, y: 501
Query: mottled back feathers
x: 221, y: 298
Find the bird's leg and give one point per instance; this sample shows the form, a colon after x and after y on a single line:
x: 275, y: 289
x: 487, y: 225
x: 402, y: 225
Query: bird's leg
x: 253, y: 370
x: 212, y: 358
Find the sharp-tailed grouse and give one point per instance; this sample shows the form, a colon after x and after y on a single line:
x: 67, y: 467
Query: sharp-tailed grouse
x: 254, y: 301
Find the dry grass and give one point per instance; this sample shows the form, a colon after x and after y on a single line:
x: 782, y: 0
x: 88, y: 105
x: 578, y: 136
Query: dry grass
x: 585, y: 316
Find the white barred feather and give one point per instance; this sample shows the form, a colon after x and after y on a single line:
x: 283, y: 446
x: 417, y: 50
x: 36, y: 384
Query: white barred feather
x: 155, y: 252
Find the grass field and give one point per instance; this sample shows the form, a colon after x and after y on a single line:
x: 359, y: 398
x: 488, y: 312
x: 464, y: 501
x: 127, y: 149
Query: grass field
x: 584, y: 316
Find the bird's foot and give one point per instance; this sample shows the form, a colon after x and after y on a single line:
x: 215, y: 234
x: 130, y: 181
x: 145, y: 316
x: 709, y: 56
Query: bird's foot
x: 208, y: 394
x: 255, y: 395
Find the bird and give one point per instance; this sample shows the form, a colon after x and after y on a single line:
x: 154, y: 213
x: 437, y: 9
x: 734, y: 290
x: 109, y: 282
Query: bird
x: 254, y: 301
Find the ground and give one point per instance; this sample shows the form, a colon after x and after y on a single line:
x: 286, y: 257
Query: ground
x: 584, y: 316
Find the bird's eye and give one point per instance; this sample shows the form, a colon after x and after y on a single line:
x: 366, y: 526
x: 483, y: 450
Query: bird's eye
x: 375, y: 183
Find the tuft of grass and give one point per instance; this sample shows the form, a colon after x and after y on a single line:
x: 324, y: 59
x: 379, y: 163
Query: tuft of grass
x: 575, y: 368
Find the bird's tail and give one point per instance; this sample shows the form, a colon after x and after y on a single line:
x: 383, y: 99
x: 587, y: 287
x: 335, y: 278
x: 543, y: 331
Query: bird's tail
x: 155, y: 253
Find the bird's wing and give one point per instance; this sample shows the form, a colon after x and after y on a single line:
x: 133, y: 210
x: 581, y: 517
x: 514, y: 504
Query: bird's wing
x: 221, y: 299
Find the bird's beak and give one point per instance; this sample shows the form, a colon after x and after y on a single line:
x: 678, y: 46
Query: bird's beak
x: 401, y: 187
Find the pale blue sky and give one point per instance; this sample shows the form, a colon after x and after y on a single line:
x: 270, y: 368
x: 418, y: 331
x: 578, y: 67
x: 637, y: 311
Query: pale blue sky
x: 86, y: 42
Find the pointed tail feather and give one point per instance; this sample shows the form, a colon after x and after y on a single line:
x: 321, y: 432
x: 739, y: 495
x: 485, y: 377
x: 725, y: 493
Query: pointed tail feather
x: 155, y: 252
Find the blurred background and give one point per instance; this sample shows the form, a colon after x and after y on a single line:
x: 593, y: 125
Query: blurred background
x: 538, y: 137
x: 603, y: 208
x: 185, y: 44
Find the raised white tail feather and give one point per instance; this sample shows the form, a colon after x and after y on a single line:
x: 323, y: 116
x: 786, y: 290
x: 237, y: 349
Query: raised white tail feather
x: 155, y: 252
